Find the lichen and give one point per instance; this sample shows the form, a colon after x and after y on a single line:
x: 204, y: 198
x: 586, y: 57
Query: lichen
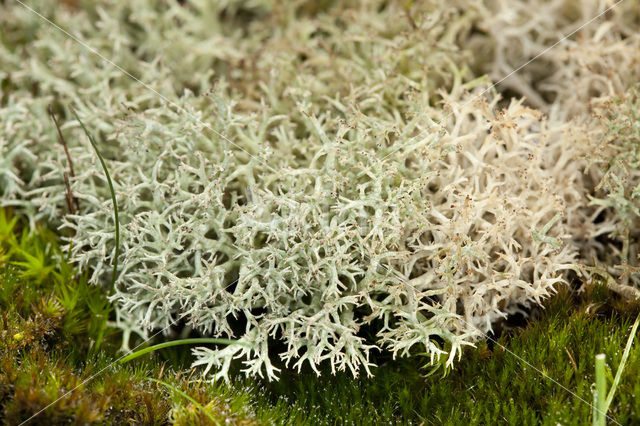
x: 310, y: 170
x: 616, y: 199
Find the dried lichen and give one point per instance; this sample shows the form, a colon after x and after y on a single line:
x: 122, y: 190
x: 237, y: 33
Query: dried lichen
x: 597, y: 58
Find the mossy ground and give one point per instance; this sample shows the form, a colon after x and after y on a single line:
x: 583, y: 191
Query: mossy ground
x: 55, y: 336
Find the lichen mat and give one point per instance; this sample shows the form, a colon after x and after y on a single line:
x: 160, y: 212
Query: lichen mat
x: 368, y: 185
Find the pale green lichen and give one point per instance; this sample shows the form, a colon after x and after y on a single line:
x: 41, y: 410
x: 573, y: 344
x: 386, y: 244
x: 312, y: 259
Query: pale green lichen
x: 617, y: 196
x: 351, y: 172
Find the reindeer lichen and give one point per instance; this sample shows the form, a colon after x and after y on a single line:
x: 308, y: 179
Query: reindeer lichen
x: 330, y: 168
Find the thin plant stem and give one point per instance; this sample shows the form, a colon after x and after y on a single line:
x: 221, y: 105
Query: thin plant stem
x: 72, y: 202
x: 62, y: 141
x: 599, y: 411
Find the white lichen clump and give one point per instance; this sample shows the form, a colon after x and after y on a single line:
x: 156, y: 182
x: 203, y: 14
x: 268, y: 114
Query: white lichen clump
x: 338, y: 179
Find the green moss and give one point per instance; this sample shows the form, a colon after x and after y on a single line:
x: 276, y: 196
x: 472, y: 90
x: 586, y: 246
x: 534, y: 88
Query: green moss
x: 495, y: 382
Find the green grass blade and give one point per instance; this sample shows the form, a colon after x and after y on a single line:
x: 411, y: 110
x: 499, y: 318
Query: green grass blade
x: 596, y: 415
x: 184, y: 395
x: 623, y: 361
x: 599, y: 411
x: 113, y: 198
x: 201, y: 340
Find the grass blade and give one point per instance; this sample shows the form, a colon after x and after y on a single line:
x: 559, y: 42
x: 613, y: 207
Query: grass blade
x: 599, y: 411
x: 113, y: 198
x: 623, y: 361
x: 201, y: 340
